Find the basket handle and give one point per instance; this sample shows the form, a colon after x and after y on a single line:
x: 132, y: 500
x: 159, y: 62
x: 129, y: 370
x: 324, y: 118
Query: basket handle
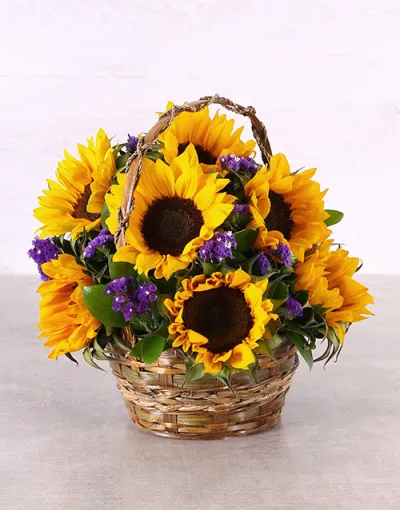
x: 134, y: 164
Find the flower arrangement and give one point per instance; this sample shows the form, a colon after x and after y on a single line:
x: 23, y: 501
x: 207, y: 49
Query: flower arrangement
x: 183, y: 240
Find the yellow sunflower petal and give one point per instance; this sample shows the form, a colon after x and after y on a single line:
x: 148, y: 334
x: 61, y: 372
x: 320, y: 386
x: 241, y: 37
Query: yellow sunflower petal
x: 147, y: 261
x: 242, y: 356
x: 196, y: 338
x: 186, y: 184
x: 126, y: 254
x: 215, y: 215
x: 239, y: 278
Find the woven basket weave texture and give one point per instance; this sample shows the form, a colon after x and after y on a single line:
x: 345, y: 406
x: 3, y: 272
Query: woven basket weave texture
x: 206, y: 409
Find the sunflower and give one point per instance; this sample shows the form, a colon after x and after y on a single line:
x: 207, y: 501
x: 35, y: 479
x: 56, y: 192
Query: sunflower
x: 64, y: 318
x: 74, y: 200
x: 177, y: 208
x: 328, y: 278
x: 221, y: 318
x: 286, y: 208
x: 211, y: 137
x: 114, y: 200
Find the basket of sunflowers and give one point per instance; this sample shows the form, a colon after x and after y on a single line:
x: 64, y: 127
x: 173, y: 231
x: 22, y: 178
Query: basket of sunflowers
x: 199, y: 274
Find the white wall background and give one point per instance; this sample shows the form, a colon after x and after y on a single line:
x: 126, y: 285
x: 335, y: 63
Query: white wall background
x: 323, y: 75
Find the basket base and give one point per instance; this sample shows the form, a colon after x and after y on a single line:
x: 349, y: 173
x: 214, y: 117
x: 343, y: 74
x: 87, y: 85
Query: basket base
x: 208, y: 437
x: 265, y: 417
x: 206, y: 409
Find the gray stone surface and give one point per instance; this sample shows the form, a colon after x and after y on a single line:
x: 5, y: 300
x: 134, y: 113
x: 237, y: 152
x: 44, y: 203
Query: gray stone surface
x: 66, y: 441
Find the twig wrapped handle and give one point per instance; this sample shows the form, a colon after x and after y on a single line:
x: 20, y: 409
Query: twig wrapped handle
x: 134, y: 165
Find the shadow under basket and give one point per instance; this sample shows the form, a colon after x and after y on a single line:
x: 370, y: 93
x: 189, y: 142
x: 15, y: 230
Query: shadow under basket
x: 206, y: 408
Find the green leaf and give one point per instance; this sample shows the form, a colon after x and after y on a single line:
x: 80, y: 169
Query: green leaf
x: 99, y: 275
x: 166, y: 286
x: 88, y: 358
x: 98, y: 352
x: 160, y: 329
x: 334, y: 345
x: 307, y: 320
x: 189, y: 361
x: 100, y: 306
x: 109, y: 330
x: 193, y: 372
x: 153, y: 155
x: 334, y: 217
x: 293, y: 328
x: 137, y: 349
x: 71, y: 358
x: 120, y: 269
x: 298, y: 341
x: 276, y: 303
x: 101, y: 340
x: 272, y: 328
x: 248, y: 265
x: 99, y: 355
x: 275, y: 341
x: 117, y: 147
x: 281, y: 292
x: 105, y: 213
x: 162, y: 309
x: 142, y: 278
x: 209, y: 268
x: 238, y: 258
x: 264, y: 347
x: 245, y: 239
x: 152, y: 348
x: 137, y: 327
x: 120, y: 161
x: 251, y: 371
x: 302, y: 297
x: 224, y: 375
x: 117, y: 340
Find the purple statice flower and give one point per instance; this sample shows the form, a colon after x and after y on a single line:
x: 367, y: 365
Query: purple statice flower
x: 142, y: 307
x: 128, y: 311
x: 131, y: 144
x: 263, y: 264
x: 230, y: 161
x: 294, y: 307
x: 119, y: 286
x: 130, y: 300
x: 206, y: 251
x: 218, y: 248
x: 240, y: 209
x: 99, y: 241
x: 283, y: 252
x: 118, y: 303
x: 147, y: 292
x: 237, y: 163
x: 43, y: 251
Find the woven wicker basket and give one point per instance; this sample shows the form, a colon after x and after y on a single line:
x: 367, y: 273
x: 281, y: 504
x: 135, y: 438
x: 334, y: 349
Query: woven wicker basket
x: 205, y: 409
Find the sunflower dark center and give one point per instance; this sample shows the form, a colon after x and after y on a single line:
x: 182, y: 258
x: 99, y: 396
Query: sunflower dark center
x: 221, y: 315
x: 170, y: 223
x: 80, y: 207
x: 279, y: 217
x: 203, y: 154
